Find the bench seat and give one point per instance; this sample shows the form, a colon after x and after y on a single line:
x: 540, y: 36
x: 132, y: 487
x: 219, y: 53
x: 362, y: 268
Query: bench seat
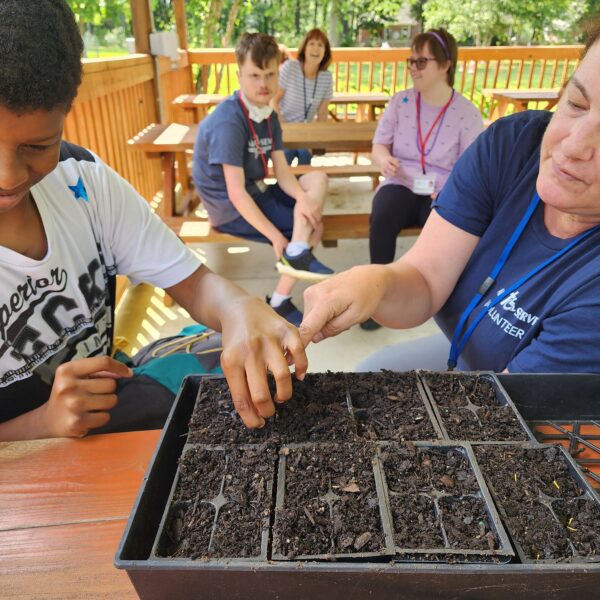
x: 337, y: 227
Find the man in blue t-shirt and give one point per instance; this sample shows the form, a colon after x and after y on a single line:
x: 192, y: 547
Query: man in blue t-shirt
x: 231, y: 155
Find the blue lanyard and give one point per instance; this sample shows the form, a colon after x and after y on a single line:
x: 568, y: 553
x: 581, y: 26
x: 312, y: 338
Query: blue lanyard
x: 458, y: 342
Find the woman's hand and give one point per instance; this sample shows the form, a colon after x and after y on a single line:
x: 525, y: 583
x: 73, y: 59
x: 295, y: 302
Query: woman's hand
x: 256, y: 340
x: 341, y: 301
x: 82, y: 394
x: 389, y: 166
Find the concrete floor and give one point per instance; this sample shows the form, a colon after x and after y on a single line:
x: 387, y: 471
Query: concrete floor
x: 252, y: 266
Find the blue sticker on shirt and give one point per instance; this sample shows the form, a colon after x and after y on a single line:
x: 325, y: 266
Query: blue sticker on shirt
x: 79, y: 190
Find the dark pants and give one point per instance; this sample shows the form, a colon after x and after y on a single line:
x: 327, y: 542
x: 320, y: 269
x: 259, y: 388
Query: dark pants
x: 394, y: 208
x: 302, y: 154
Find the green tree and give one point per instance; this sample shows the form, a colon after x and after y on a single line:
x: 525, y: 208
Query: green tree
x: 506, y: 21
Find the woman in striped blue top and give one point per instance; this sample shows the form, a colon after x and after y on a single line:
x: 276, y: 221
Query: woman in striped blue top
x: 305, y: 87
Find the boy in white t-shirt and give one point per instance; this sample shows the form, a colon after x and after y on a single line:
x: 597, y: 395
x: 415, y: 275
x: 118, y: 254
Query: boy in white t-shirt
x: 68, y: 225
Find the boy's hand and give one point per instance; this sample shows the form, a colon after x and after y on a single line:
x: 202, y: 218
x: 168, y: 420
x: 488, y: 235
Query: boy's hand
x: 279, y: 243
x: 256, y: 340
x: 82, y: 393
x: 309, y: 210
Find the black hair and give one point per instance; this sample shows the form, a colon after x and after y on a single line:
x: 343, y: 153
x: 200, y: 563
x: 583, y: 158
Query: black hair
x: 40, y: 55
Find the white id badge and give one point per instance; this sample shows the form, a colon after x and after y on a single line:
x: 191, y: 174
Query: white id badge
x: 261, y: 185
x: 424, y: 185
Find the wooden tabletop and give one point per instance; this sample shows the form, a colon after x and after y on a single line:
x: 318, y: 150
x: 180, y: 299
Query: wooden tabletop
x: 531, y: 94
x: 332, y: 136
x: 501, y: 99
x: 376, y: 98
x: 208, y: 100
x: 63, y: 508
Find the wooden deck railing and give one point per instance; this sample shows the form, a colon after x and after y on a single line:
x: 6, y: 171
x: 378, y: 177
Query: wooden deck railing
x: 117, y: 99
x: 384, y: 70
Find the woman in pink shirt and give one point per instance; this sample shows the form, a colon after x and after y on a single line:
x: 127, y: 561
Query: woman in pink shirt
x: 419, y: 138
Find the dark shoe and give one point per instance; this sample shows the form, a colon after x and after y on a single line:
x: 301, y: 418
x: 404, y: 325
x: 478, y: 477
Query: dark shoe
x: 370, y: 325
x: 288, y: 311
x: 304, y: 266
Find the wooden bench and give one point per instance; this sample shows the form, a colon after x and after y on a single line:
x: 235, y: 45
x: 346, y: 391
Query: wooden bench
x: 336, y: 227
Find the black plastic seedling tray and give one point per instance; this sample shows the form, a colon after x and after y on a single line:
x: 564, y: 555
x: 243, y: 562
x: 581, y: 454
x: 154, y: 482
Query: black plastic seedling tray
x: 537, y: 397
x: 434, y: 497
x: 399, y: 412
x: 208, y: 512
x: 551, y: 503
x: 445, y: 413
x: 323, y: 514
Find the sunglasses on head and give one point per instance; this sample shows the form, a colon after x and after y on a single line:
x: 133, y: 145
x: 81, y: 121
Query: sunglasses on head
x: 420, y: 62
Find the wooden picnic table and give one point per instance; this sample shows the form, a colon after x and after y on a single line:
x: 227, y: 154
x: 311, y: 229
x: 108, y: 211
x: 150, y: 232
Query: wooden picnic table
x: 195, y: 106
x: 64, y: 504
x: 173, y: 140
x: 501, y: 99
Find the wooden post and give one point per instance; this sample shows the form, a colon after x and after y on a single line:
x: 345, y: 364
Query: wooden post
x: 180, y: 21
x: 141, y: 17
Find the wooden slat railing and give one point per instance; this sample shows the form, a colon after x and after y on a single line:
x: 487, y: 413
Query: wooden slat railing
x: 384, y: 70
x: 117, y: 99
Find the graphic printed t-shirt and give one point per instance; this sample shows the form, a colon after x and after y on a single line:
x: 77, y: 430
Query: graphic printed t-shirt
x: 297, y: 88
x: 550, y: 323
x: 397, y: 127
x: 59, y: 308
x: 224, y: 137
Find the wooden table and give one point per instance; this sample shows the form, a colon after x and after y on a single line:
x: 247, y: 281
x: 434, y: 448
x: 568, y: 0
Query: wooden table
x: 369, y: 101
x: 63, y: 509
x: 500, y: 99
x: 175, y: 139
x: 194, y: 107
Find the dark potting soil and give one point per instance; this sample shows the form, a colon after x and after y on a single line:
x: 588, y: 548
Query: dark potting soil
x: 389, y: 406
x: 215, y: 420
x: 434, y: 500
x: 221, y: 504
x: 331, y: 505
x: 317, y: 411
x: 543, y: 506
x: 470, y: 411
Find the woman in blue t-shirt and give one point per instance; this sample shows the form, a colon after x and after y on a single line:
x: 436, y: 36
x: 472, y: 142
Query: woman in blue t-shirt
x: 305, y: 87
x: 509, y: 260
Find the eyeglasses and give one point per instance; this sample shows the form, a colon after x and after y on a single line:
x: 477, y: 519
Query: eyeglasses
x: 421, y: 62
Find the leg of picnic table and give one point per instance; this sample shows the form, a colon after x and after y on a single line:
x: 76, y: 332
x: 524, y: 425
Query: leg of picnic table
x: 168, y: 169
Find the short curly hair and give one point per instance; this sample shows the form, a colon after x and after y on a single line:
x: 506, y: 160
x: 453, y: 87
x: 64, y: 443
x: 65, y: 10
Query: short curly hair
x: 40, y: 55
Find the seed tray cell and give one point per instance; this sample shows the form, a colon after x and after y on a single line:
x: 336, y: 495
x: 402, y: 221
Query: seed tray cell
x: 219, y: 505
x: 391, y: 406
x: 328, y: 504
x: 549, y: 508
x: 474, y: 407
x: 319, y: 410
x: 440, y: 508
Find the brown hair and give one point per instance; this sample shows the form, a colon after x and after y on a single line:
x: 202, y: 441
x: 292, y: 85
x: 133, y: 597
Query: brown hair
x: 262, y: 48
x: 443, y: 47
x: 591, y: 34
x: 316, y: 34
